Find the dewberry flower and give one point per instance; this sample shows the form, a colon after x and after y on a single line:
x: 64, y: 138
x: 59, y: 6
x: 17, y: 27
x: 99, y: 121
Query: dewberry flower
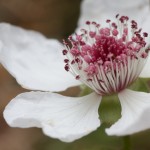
x: 106, y: 59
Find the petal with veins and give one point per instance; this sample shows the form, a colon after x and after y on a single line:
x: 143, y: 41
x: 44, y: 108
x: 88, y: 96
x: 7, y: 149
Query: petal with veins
x: 35, y: 61
x: 135, y: 113
x: 65, y: 118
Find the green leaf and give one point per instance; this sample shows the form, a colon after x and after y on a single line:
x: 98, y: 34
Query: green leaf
x: 141, y: 84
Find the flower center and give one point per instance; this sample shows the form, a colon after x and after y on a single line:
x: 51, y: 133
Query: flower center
x: 106, y: 59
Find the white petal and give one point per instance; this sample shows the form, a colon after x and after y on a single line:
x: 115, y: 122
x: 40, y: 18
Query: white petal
x: 100, y: 10
x: 65, y: 118
x: 90, y: 10
x: 1, y: 45
x: 146, y: 70
x: 36, y: 62
x: 135, y: 113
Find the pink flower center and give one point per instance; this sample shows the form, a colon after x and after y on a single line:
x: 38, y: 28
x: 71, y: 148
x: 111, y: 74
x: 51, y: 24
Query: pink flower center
x: 107, y: 59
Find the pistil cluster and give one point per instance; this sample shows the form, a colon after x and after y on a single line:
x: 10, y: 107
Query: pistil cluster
x: 107, y: 59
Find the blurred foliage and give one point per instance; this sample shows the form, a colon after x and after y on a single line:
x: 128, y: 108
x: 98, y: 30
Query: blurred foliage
x: 53, y: 18
x: 97, y: 140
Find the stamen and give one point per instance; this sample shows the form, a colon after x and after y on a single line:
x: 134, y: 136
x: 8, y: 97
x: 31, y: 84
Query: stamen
x: 64, y: 52
x: 105, y: 58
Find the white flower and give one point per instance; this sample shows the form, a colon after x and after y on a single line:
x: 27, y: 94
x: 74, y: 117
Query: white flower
x: 107, y: 60
x: 100, y: 10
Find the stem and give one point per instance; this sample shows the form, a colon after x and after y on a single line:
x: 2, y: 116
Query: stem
x: 126, y: 143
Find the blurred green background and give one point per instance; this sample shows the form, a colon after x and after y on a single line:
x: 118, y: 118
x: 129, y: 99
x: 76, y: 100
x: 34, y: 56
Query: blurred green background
x: 55, y: 19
